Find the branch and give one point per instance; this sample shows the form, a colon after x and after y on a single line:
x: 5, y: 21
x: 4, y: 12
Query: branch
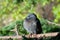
x: 53, y: 23
x: 37, y: 36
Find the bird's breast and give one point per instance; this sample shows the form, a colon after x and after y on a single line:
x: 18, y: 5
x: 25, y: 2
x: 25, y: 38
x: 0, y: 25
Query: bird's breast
x: 30, y: 26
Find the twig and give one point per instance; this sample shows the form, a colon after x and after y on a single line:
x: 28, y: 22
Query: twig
x: 15, y: 30
x: 53, y: 23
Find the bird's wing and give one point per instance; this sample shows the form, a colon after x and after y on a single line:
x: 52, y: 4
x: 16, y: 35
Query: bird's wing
x: 39, y: 28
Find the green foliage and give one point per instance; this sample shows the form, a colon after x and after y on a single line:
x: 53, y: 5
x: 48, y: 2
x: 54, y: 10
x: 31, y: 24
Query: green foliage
x: 14, y: 7
x: 19, y: 1
x: 56, y: 11
x: 49, y: 27
x: 7, y: 29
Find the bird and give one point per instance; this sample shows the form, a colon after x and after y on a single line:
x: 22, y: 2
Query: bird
x: 32, y: 24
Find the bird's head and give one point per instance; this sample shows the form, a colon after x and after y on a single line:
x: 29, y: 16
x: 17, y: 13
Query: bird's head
x: 31, y: 17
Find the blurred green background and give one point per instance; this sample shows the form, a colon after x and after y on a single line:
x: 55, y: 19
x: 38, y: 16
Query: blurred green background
x: 13, y: 12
